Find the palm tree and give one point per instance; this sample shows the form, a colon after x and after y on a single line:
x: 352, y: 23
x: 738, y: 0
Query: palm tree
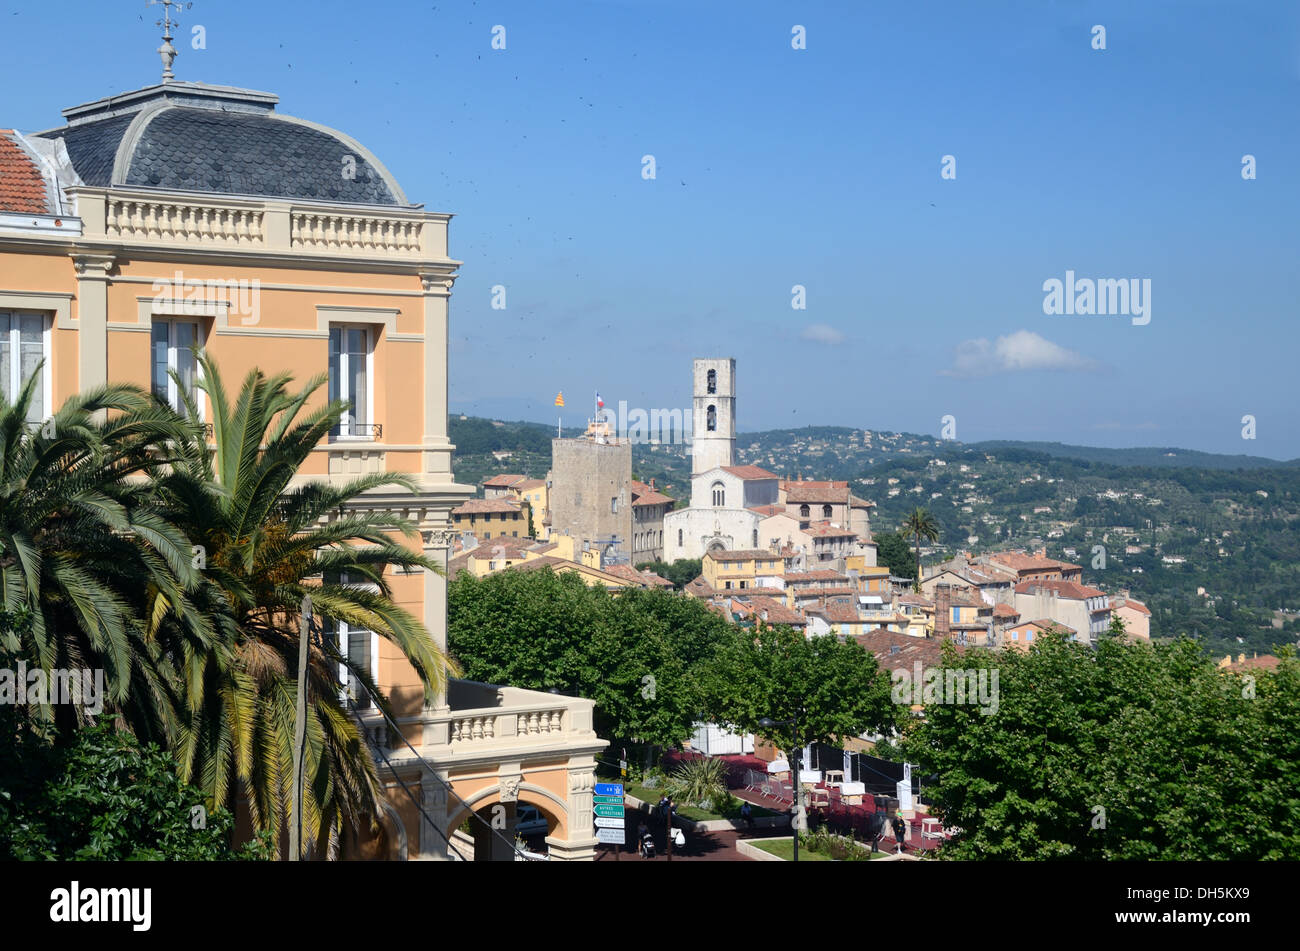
x: 81, y: 542
x: 265, y: 543
x: 920, y: 524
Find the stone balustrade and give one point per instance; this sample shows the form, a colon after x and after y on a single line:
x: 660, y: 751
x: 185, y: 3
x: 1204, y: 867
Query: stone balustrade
x: 150, y: 217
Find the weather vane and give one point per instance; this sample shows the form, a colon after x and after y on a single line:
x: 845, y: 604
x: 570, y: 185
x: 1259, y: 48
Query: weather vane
x: 167, y: 51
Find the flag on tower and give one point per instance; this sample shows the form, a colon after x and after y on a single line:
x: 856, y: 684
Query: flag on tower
x: 559, y: 398
x: 600, y: 404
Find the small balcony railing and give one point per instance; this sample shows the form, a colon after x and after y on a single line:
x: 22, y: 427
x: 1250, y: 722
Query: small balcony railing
x: 349, y: 430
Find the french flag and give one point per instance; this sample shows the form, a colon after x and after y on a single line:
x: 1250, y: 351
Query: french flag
x: 600, y: 404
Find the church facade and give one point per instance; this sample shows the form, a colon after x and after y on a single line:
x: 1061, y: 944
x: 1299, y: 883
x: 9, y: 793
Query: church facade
x: 724, y: 496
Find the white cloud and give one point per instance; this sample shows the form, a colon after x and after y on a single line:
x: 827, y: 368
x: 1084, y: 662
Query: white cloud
x: 1022, y: 350
x: 822, y: 333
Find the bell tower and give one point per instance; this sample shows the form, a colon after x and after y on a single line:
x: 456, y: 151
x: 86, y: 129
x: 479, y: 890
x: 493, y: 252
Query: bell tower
x: 713, y: 434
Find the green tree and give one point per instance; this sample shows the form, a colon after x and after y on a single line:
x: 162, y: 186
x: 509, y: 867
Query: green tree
x: 920, y: 524
x: 680, y: 572
x: 835, y: 689
x: 264, y: 539
x: 104, y: 797
x: 1125, y: 751
x: 82, y: 541
x: 638, y: 655
x: 893, y: 552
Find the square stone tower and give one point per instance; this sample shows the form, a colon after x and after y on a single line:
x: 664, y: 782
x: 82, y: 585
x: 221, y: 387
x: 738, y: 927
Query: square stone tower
x: 713, y: 436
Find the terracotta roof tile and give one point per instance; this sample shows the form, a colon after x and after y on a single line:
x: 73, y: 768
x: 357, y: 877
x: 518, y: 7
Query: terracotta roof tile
x: 22, y: 186
x: 748, y: 554
x: 1064, y: 589
x: 483, y: 506
x: 749, y: 472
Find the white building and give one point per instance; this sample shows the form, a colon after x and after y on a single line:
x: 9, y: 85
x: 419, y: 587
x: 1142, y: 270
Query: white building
x: 723, y: 495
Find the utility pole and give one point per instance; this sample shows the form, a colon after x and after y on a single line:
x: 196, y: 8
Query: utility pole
x: 300, y: 731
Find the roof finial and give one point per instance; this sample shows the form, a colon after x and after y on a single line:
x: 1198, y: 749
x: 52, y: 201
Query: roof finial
x: 167, y: 51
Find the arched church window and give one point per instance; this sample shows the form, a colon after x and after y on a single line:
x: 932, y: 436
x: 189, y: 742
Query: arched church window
x: 713, y: 381
x: 719, y: 495
x: 826, y: 511
x: 712, y: 423
x: 804, y: 511
x: 679, y: 538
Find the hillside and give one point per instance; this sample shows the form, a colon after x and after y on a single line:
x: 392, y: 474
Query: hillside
x: 1227, y: 524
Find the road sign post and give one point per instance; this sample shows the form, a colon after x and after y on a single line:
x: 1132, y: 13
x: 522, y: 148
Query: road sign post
x: 608, y: 806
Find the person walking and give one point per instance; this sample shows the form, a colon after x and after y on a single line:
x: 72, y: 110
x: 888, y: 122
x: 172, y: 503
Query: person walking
x: 900, y: 832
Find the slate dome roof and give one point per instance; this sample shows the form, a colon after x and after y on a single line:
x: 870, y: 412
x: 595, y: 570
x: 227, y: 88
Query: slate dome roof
x: 216, y: 139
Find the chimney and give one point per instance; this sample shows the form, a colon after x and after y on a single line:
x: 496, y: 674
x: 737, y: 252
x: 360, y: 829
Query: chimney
x: 942, y: 610
x: 1040, y: 553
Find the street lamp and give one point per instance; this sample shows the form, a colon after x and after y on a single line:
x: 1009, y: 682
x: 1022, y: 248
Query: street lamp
x: 767, y: 723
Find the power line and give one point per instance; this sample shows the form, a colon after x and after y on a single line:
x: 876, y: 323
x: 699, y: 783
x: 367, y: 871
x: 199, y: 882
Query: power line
x: 332, y: 649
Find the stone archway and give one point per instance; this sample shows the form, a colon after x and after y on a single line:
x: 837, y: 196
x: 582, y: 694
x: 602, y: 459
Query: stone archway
x: 497, y: 810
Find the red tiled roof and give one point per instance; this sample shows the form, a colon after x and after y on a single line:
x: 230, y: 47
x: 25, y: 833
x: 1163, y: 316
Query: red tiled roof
x: 482, y: 506
x: 749, y: 472
x: 823, y: 592
x: 1004, y: 610
x: 777, y: 613
x: 642, y: 494
x: 748, y: 554
x: 22, y: 186
x: 504, y: 480
x: 836, y: 613
x: 819, y: 575
x: 1045, y: 624
x: 881, y: 643
x: 528, y: 484
x: 767, y: 509
x: 1267, y: 662
x: 1064, y: 589
x: 698, y: 588
x: 827, y: 530
x: 502, y: 547
x: 816, y: 492
x: 647, y: 578
x: 1019, y: 561
x: 1137, y: 606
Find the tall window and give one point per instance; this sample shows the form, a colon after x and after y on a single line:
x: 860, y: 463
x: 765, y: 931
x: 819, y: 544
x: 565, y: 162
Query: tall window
x: 350, y: 378
x: 719, y: 495
x: 174, y: 343
x: 22, y: 348
x: 713, y: 381
x: 679, y: 538
x: 826, y: 511
x: 804, y: 511
x: 712, y: 419
x: 361, y: 648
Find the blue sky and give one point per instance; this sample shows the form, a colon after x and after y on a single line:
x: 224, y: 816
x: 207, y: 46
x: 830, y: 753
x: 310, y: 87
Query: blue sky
x: 818, y: 167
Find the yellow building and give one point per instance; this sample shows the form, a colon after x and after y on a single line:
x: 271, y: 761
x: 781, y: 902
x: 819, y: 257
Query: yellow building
x: 535, y: 493
x: 740, y: 570
x: 184, y: 215
x: 491, y: 518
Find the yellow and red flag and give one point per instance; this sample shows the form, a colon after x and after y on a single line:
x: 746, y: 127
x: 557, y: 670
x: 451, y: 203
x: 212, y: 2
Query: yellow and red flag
x: 559, y: 399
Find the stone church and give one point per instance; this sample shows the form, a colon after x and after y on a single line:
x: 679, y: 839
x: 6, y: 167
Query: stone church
x: 724, y: 496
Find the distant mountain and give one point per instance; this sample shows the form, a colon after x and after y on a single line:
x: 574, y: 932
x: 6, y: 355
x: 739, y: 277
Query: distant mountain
x: 1147, y: 456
